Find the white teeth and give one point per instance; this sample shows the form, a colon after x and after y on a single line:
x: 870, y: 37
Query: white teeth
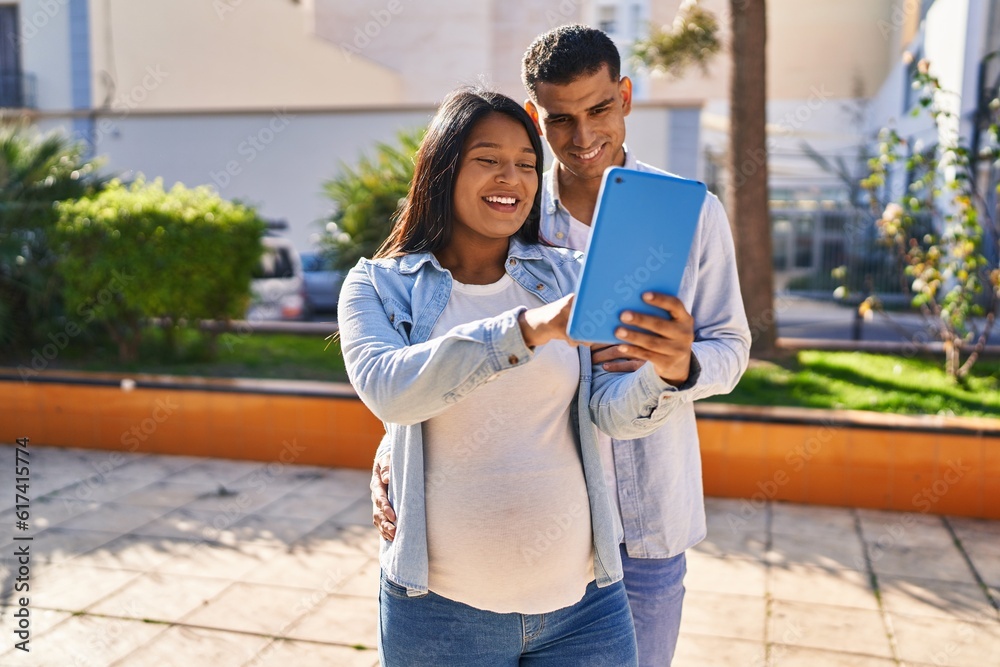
x: 591, y: 154
x: 509, y: 201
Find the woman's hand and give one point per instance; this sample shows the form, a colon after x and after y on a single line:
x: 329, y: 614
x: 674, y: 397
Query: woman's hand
x: 548, y: 322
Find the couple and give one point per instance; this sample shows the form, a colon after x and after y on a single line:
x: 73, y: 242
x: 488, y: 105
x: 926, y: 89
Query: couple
x: 524, y: 535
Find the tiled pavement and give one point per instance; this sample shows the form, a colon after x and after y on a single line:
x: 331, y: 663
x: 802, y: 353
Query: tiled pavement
x: 163, y: 560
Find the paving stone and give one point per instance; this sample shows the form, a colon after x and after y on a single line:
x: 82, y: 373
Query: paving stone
x: 252, y: 608
x: 301, y: 568
x: 816, y: 585
x: 308, y: 506
x: 160, y: 597
x: 214, y: 472
x: 821, y: 522
x: 60, y: 545
x: 135, y: 552
x: 181, y: 646
x: 165, y: 494
x: 706, y: 651
x: 333, y: 537
x: 944, y: 563
x: 340, y: 619
x: 283, y: 652
x: 188, y: 523
x: 828, y: 628
x: 736, y: 576
x: 86, y: 641
x: 905, y: 529
x: 357, y: 514
x: 115, y: 516
x: 102, y: 489
x: 946, y: 642
x: 272, y: 530
x: 730, y: 616
x: 211, y: 559
x: 364, y: 582
x: 936, y: 599
x: 73, y: 587
x: 845, y: 553
x: 796, y: 656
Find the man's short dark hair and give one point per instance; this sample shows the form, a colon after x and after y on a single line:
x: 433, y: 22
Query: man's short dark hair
x: 566, y: 53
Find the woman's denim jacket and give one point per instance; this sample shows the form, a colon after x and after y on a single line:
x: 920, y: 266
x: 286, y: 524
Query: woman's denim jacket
x: 387, y: 310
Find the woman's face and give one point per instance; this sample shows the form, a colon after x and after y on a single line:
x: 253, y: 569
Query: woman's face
x: 496, y: 183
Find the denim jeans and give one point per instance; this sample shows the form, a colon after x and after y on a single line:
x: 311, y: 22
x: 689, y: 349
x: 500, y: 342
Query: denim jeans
x: 655, y: 588
x: 432, y: 631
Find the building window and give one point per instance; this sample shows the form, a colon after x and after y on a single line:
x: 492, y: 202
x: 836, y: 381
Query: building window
x: 606, y: 18
x: 11, y: 76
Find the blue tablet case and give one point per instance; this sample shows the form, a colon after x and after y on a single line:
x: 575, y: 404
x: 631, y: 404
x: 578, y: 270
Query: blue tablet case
x: 641, y: 236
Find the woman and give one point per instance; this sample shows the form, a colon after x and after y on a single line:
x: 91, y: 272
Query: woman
x: 506, y: 549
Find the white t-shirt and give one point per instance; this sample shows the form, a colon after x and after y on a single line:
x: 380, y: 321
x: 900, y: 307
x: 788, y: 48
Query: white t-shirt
x: 508, y: 520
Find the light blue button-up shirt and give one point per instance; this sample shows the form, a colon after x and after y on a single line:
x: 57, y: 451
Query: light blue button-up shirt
x: 387, y: 310
x: 659, y: 476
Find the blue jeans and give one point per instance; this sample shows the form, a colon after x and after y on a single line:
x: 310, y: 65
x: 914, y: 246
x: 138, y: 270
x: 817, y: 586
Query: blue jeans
x: 655, y: 588
x: 432, y: 631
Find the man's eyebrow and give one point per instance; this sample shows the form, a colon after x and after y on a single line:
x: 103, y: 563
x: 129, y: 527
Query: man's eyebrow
x: 602, y: 103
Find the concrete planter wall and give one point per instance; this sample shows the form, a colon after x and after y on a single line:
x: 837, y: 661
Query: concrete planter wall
x: 843, y: 458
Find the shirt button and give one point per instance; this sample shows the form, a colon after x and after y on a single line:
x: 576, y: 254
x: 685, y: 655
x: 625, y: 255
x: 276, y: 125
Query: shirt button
x: 392, y: 318
x: 559, y: 235
x: 539, y: 286
x: 512, y: 359
x: 512, y: 261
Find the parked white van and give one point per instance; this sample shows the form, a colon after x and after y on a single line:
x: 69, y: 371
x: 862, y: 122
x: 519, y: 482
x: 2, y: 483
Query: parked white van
x: 278, y: 286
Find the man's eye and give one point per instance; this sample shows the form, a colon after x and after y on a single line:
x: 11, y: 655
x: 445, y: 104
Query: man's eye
x: 600, y: 111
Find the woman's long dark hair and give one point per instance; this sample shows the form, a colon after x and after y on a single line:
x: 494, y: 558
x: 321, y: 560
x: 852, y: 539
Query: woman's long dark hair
x: 424, y: 221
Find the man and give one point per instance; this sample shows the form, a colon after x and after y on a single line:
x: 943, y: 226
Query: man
x: 579, y: 102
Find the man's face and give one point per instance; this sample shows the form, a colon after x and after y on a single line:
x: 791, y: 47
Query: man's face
x: 584, y: 121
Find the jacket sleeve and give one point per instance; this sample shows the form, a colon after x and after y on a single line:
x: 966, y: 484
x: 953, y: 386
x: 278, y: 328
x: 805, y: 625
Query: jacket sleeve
x: 407, y: 384
x: 632, y: 405
x: 722, y: 337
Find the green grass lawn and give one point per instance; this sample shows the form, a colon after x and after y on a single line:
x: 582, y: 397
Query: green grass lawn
x: 851, y: 380
x: 861, y: 381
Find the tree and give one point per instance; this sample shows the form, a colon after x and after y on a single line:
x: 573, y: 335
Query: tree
x: 747, y: 191
x: 947, y: 273
x: 35, y: 171
x: 366, y: 199
x: 693, y: 40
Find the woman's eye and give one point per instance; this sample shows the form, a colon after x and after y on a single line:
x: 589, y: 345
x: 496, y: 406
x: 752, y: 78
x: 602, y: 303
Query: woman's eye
x: 526, y: 165
x: 487, y: 160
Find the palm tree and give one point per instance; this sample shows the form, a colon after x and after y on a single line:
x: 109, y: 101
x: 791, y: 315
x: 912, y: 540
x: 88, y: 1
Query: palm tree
x: 35, y: 172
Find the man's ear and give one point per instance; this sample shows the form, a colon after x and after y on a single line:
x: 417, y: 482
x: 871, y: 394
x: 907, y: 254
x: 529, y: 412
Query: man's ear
x: 625, y: 86
x: 532, y: 110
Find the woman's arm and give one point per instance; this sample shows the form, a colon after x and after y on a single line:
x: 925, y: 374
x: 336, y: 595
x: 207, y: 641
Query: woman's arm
x: 407, y: 384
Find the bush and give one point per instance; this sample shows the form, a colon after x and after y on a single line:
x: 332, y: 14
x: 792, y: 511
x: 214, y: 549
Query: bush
x: 131, y: 253
x: 366, y: 199
x: 35, y: 171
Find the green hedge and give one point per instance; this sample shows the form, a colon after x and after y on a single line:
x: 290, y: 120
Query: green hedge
x: 131, y: 253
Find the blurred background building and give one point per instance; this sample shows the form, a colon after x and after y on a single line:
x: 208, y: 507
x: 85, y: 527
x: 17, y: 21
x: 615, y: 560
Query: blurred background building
x: 264, y: 99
